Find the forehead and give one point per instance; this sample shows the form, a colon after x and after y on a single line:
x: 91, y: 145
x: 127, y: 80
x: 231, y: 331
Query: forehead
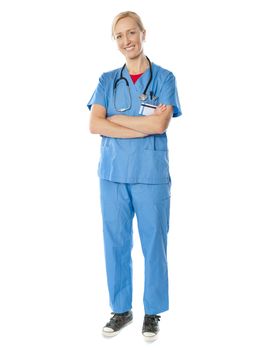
x: 125, y: 24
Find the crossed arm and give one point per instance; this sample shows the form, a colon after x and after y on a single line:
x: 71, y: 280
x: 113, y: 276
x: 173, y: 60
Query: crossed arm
x: 123, y: 126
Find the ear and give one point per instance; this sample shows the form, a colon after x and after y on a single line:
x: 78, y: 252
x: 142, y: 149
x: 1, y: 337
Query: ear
x: 144, y: 35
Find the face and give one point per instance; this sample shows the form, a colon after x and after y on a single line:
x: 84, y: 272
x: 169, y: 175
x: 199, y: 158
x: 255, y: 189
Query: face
x: 129, y: 38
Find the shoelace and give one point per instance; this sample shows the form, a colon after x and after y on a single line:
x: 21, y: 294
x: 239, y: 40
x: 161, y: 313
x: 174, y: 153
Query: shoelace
x: 116, y: 318
x: 152, y: 319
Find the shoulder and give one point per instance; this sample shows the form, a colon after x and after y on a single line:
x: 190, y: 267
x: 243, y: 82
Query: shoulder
x: 107, y: 78
x: 162, y: 74
x: 161, y: 70
x: 110, y: 74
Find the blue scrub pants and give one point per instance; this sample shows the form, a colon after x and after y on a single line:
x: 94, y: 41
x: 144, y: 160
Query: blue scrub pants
x: 151, y: 204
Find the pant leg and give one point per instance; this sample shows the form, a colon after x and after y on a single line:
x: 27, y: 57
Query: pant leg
x: 152, y: 207
x: 117, y: 215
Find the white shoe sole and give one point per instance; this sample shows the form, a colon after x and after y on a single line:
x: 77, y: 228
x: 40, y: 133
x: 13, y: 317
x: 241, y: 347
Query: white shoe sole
x: 112, y: 334
x: 150, y: 336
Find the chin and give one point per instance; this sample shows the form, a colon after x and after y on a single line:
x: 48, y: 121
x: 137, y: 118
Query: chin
x: 132, y: 55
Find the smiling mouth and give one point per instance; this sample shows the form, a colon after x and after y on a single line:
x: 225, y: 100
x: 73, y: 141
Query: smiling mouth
x: 129, y: 48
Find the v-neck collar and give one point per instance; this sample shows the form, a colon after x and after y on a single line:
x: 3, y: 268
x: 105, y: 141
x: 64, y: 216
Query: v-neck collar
x: 140, y: 83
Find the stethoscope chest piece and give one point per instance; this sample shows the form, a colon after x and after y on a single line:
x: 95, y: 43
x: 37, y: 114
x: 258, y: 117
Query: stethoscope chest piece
x: 143, y: 97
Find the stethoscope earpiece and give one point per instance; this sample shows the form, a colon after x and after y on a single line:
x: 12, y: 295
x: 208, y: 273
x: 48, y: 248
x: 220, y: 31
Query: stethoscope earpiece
x: 152, y: 96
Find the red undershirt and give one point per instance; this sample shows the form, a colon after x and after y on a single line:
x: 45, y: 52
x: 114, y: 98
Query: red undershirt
x: 135, y: 77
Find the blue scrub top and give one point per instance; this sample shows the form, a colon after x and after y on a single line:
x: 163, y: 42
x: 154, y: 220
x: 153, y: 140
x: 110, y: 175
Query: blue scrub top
x: 137, y: 160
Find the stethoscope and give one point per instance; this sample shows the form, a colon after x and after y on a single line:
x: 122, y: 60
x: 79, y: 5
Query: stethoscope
x: 142, y: 96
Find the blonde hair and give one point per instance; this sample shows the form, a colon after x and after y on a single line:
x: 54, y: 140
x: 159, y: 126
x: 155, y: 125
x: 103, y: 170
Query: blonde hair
x: 125, y: 14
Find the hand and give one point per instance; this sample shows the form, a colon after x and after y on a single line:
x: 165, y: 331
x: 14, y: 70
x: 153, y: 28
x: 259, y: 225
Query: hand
x: 160, y: 109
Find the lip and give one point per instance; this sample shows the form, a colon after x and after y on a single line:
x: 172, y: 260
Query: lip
x: 129, y: 48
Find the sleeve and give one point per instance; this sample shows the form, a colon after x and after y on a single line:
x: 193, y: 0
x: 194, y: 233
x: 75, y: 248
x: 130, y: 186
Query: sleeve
x: 98, y: 97
x: 169, y: 95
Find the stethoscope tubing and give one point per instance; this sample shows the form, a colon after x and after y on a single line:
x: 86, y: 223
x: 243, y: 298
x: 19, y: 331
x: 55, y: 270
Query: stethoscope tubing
x: 143, y: 96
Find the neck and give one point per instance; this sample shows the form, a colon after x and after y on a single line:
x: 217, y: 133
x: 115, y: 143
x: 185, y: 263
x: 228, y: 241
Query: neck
x: 137, y: 65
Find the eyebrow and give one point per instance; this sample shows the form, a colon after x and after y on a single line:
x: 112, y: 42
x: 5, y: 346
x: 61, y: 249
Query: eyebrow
x: 126, y: 30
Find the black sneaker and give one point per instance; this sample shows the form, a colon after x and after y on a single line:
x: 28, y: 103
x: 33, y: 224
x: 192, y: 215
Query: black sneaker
x: 116, y: 323
x: 150, y: 327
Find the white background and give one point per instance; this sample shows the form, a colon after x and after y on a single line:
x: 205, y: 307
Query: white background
x: 53, y: 291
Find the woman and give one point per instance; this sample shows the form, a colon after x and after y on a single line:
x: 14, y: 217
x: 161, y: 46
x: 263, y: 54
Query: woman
x: 131, y: 109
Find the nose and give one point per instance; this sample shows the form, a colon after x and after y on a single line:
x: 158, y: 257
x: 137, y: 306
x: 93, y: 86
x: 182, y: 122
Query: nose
x: 126, y: 39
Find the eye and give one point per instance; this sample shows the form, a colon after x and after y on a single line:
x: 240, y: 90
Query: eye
x: 118, y: 37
